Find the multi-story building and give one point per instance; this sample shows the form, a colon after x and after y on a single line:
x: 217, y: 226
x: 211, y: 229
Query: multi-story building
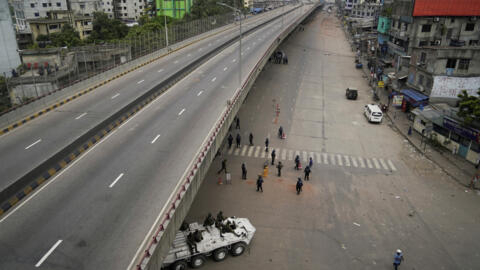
x: 107, y: 7
x: 173, y: 8
x: 437, y: 46
x: 57, y: 19
x: 85, y: 7
x: 131, y: 10
x: 365, y: 9
x: 9, y: 58
x: 34, y: 9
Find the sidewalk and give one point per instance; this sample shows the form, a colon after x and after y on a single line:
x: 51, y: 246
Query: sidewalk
x: 453, y: 165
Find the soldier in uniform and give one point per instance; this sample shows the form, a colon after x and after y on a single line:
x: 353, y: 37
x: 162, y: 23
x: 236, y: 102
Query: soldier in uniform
x: 209, y: 220
x: 279, y: 168
x: 220, y: 217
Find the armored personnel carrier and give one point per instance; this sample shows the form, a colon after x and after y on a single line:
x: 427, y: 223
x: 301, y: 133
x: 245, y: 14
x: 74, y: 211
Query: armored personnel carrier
x: 195, y: 242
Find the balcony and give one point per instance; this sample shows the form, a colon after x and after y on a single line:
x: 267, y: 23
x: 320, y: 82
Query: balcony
x: 399, y: 34
x: 395, y: 48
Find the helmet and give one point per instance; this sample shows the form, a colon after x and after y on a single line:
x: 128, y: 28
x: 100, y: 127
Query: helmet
x: 399, y: 251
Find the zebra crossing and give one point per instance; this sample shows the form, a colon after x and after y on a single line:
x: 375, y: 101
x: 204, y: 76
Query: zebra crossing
x: 319, y: 158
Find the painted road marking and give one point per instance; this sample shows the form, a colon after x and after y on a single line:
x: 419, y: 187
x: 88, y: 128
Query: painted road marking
x: 116, y: 95
x: 175, y: 62
x: 225, y: 68
x: 290, y: 154
x: 375, y: 161
x: 199, y: 93
x: 237, y: 150
x: 284, y: 154
x: 182, y: 111
x: 139, y: 82
x: 369, y: 163
x: 362, y: 164
x: 233, y: 61
x: 156, y: 137
x: 257, y: 151
x: 189, y: 55
x: 354, y: 161
x: 116, y: 179
x: 230, y: 151
x: 39, y: 263
x: 250, y: 151
x: 80, y: 116
x: 340, y: 162
x: 214, y: 79
x: 263, y: 154
x: 304, y: 156
x: 200, y: 49
x: 39, y: 140
x: 391, y: 165
x: 384, y: 165
x: 347, y: 161
x: 318, y: 158
x: 325, y: 158
x: 332, y: 159
x: 160, y: 70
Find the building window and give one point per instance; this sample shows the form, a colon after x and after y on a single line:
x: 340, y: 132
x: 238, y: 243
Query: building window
x: 423, y: 43
x: 426, y: 28
x: 469, y: 27
x: 452, y: 20
x: 463, y: 64
x: 53, y: 26
x: 423, y: 57
x: 36, y: 14
x: 451, y: 63
x: 429, y: 83
x: 473, y: 42
x: 32, y: 5
x: 44, y: 5
x: 420, y: 80
x: 59, y: 4
x: 49, y: 4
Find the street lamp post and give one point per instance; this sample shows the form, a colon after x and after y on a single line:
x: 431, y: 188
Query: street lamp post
x: 239, y: 41
x: 166, y: 28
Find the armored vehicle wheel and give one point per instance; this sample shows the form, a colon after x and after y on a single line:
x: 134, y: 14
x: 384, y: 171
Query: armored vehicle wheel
x: 219, y: 254
x: 197, y: 261
x: 238, y: 249
x: 179, y: 265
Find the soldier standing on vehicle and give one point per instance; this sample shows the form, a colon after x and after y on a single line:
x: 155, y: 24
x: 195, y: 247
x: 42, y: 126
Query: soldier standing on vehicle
x: 279, y: 168
x: 244, y: 171
x: 230, y: 141
x: 273, y: 156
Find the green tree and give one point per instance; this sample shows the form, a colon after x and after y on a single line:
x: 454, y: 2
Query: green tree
x: 66, y: 37
x: 469, y: 108
x: 205, y: 8
x: 105, y: 29
x: 4, y: 95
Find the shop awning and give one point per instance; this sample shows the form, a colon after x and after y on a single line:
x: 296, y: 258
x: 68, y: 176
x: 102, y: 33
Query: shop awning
x: 414, y: 98
x: 402, y: 75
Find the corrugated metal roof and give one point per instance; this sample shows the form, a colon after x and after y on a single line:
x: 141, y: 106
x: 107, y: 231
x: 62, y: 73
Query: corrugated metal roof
x: 446, y: 8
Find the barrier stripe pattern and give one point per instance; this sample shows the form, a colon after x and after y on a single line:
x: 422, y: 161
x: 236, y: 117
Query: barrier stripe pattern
x: 58, y: 104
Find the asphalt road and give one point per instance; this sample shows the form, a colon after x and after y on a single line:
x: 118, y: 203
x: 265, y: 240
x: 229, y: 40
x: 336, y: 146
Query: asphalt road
x: 96, y: 212
x: 29, y: 145
x: 349, y: 215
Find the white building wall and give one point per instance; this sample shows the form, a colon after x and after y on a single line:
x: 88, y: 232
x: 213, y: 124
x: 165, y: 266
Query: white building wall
x: 9, y: 57
x: 85, y: 7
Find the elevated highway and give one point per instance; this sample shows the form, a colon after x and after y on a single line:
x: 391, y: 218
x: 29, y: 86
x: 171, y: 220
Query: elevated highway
x: 119, y: 204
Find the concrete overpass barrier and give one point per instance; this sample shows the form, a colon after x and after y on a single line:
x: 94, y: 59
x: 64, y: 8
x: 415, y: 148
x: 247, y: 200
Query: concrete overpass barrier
x: 152, y: 252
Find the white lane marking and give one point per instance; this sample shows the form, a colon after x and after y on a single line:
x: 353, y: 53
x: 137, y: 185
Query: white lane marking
x: 214, y: 79
x: 384, y: 165
x: 318, y: 157
x: 80, y: 116
x: 391, y: 165
x: 375, y: 162
x: 160, y: 70
x: 139, y: 82
x: 237, y: 150
x: 290, y: 154
x: 116, y: 95
x: 156, y: 137
x: 225, y: 68
x: 304, y: 156
x: 199, y: 93
x: 340, y: 162
x: 347, y: 161
x: 233, y: 61
x: 39, y: 140
x: 189, y: 55
x: 332, y: 159
x: 175, y: 62
x: 244, y: 149
x: 284, y: 154
x: 182, y: 111
x: 200, y: 49
x: 263, y: 155
x: 354, y: 162
x: 325, y: 158
x: 115, y: 181
x: 362, y: 164
x: 369, y: 163
x: 230, y: 151
x: 209, y: 44
x: 54, y: 179
x: 250, y: 151
x: 39, y: 263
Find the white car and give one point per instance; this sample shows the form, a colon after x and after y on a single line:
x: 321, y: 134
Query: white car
x: 373, y: 113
